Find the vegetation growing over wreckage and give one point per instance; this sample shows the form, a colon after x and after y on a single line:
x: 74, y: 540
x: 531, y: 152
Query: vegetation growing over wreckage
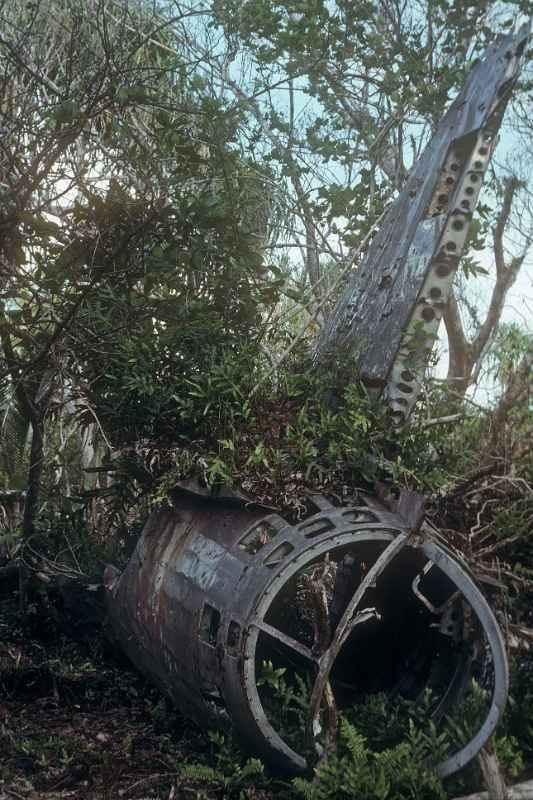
x: 155, y: 326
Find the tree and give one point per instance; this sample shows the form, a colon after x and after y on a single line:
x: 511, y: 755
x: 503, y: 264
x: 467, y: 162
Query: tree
x: 139, y: 163
x: 340, y: 100
x: 467, y: 355
x: 121, y: 205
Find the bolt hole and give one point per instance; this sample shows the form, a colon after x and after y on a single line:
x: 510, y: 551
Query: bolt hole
x: 428, y: 314
x: 316, y: 528
x: 234, y: 636
x: 435, y: 293
x: 209, y: 624
x: 386, y: 281
x: 278, y: 554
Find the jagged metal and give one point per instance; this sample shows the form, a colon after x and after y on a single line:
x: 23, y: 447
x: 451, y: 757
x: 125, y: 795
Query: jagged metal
x: 213, y: 591
x: 390, y: 313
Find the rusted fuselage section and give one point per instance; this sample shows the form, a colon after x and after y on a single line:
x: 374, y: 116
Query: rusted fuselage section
x: 391, y: 310
x: 214, y: 593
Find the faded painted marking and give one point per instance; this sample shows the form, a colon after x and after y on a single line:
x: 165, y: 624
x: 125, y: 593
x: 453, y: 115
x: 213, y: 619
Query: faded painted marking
x: 201, y: 559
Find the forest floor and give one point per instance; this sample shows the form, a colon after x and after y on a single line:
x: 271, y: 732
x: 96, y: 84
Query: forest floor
x: 76, y: 722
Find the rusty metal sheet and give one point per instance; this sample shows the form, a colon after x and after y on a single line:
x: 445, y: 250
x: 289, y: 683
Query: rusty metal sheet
x: 390, y: 312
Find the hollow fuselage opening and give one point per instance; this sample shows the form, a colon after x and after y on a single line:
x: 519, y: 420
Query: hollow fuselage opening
x: 400, y: 648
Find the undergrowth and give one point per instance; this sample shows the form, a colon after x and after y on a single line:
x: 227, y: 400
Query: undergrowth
x: 278, y: 438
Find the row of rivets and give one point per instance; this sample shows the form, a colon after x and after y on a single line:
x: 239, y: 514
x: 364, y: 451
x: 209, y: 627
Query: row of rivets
x: 417, y: 342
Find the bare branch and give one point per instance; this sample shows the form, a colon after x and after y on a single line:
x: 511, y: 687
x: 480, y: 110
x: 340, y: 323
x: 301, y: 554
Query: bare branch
x: 505, y: 274
x: 466, y: 357
x: 459, y: 351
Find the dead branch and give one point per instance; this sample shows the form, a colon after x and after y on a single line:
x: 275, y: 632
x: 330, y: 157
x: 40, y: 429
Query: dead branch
x: 492, y: 773
x: 520, y: 791
x: 466, y: 356
x: 429, y: 423
x: 316, y: 587
x: 520, y: 638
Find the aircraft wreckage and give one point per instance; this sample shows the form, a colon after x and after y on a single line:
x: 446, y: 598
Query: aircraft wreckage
x: 357, y: 598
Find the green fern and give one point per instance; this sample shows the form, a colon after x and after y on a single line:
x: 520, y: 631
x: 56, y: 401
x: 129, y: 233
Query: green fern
x: 355, y: 771
x: 228, y: 771
x: 304, y: 788
x: 354, y: 742
x: 200, y: 773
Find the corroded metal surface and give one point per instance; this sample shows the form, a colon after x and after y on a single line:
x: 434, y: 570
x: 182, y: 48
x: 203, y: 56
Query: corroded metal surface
x: 213, y: 591
x: 391, y: 310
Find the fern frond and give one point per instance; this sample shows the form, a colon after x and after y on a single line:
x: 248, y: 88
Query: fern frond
x: 200, y: 773
x: 354, y: 742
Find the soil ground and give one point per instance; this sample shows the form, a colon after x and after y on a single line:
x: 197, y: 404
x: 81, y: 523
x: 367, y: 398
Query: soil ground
x: 76, y: 722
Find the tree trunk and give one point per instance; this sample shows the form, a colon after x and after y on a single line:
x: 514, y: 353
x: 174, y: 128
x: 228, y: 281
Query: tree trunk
x: 31, y: 504
x: 492, y: 774
x: 34, y: 477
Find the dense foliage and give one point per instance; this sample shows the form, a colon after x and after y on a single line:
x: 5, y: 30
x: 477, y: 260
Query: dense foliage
x: 184, y: 192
